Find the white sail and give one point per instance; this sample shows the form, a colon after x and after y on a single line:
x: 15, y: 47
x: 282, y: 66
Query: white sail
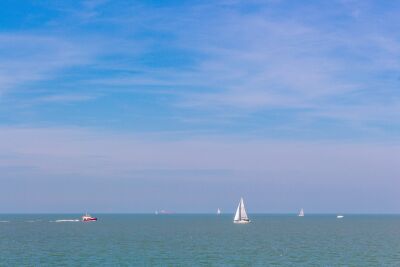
x: 241, y: 214
x: 301, y: 213
x: 218, y: 211
x: 237, y: 215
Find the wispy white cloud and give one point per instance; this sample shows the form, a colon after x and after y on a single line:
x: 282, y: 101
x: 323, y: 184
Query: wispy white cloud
x: 252, y: 61
x: 30, y: 58
x: 243, y: 61
x: 63, y: 98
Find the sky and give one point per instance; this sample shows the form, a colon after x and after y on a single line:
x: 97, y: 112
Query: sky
x: 137, y: 106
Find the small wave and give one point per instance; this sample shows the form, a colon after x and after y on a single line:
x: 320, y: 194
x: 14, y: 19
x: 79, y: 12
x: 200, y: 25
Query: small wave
x: 4, y: 221
x: 75, y: 220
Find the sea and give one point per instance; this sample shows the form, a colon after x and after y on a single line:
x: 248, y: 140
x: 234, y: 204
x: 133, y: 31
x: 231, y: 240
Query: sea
x: 199, y: 240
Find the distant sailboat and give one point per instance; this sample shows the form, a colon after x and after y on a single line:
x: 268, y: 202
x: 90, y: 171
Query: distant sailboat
x: 301, y: 213
x: 339, y: 216
x: 241, y: 215
x: 218, y: 211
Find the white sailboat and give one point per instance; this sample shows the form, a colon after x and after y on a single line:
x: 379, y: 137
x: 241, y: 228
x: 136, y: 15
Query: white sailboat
x: 241, y: 215
x: 218, y: 211
x: 301, y: 213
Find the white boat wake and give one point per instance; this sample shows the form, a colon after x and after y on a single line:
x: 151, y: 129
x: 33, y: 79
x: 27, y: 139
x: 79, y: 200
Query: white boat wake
x: 66, y: 220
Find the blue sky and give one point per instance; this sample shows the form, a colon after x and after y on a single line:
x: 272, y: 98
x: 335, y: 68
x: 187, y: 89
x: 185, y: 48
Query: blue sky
x: 187, y: 105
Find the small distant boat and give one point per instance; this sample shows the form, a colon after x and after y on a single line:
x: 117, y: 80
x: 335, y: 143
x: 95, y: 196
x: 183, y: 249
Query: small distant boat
x: 156, y: 212
x: 339, y: 216
x: 241, y: 215
x: 218, y: 211
x: 301, y: 213
x: 88, y: 218
x: 165, y: 212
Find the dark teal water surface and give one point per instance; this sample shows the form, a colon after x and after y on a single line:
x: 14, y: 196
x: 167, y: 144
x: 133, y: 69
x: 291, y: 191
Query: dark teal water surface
x: 200, y: 240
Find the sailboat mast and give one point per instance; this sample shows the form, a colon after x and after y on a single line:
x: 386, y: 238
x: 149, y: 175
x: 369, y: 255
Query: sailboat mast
x: 240, y: 208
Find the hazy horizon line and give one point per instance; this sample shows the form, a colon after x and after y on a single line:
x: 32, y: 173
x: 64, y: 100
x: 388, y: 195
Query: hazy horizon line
x: 194, y: 213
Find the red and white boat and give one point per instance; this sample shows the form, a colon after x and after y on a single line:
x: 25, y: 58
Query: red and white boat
x: 88, y: 218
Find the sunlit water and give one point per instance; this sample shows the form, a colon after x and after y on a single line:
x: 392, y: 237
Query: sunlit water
x: 200, y: 240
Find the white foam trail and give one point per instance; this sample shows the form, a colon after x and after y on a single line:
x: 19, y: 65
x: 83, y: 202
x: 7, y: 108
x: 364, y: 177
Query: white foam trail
x: 4, y: 221
x: 75, y: 220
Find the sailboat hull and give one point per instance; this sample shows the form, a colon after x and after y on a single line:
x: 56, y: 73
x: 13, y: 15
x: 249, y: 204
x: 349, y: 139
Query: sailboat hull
x: 242, y: 222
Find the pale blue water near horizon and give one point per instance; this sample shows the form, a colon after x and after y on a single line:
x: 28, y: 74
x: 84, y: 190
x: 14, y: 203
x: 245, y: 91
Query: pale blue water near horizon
x: 199, y: 240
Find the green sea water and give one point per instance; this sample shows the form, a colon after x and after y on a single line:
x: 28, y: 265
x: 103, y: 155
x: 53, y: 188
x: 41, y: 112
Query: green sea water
x: 200, y: 240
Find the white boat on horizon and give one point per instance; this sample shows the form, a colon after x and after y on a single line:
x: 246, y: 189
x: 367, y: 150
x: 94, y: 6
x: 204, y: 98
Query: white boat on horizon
x: 339, y: 216
x: 88, y: 218
x: 218, y: 211
x: 301, y: 213
x: 241, y: 215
